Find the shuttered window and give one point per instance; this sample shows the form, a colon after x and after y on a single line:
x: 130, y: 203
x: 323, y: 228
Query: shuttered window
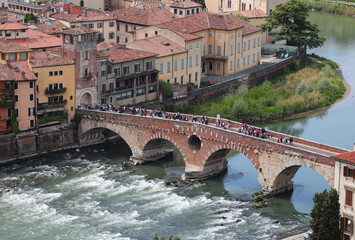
x: 349, y: 172
x: 346, y: 225
x: 349, y: 197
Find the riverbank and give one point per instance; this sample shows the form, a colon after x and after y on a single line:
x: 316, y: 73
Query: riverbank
x: 331, y: 7
x: 312, y: 86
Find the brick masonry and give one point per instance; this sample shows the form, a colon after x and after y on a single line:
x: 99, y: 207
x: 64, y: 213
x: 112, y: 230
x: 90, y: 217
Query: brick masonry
x: 276, y: 163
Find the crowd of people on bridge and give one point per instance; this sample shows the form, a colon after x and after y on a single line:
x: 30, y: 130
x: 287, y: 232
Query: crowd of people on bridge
x: 245, y: 128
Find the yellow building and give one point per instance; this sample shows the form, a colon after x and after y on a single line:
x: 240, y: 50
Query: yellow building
x: 55, y: 84
x: 175, y: 64
x: 229, y: 44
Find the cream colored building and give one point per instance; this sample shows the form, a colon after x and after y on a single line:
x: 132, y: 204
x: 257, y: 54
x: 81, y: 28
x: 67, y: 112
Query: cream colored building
x: 242, y: 5
x: 223, y: 39
x: 100, y: 22
x: 94, y: 4
x: 176, y: 64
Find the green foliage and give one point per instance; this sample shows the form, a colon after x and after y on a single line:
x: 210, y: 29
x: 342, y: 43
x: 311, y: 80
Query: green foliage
x: 323, y: 84
x: 292, y: 17
x: 53, y: 118
x: 325, y: 216
x: 243, y: 17
x: 335, y: 8
x: 166, y: 89
x: 28, y: 17
x: 14, y: 126
x: 301, y: 89
x: 243, y: 89
x: 324, y: 60
x: 202, y: 2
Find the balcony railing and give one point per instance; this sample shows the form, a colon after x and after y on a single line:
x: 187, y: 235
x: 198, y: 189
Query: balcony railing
x: 55, y: 91
x: 47, y: 105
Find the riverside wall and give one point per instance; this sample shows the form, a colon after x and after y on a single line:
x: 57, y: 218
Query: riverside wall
x: 31, y: 143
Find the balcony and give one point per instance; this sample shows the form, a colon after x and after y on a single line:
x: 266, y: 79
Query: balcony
x: 58, y: 104
x: 55, y: 91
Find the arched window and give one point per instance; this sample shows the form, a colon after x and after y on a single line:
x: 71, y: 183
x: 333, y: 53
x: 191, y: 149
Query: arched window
x: 249, y: 6
x: 81, y: 3
x: 118, y: 39
x: 126, y: 40
x: 126, y: 28
x: 229, y: 3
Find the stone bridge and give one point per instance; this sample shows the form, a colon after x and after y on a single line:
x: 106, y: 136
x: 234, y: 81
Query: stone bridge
x: 204, y: 147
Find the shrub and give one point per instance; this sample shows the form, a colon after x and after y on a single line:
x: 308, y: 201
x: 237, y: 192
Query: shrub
x: 243, y: 89
x: 301, y: 89
x: 323, y: 84
x: 240, y: 107
x: 166, y: 89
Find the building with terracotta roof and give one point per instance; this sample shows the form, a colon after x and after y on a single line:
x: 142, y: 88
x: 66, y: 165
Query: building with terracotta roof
x: 134, y: 18
x: 28, y: 38
x: 267, y: 6
x: 345, y: 180
x: 53, y: 28
x: 185, y: 8
x: 229, y: 44
x: 175, y: 63
x: 101, y: 22
x: 127, y: 76
x: 55, y: 85
x: 17, y: 89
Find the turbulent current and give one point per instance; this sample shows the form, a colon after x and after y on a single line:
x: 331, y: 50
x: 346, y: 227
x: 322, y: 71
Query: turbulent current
x: 91, y: 194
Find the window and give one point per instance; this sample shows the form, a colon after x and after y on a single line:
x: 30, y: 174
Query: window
x: 168, y: 67
x: 175, y: 11
x: 258, y: 41
x: 111, y: 24
x: 209, y: 49
x: 50, y: 74
x: 176, y: 65
x: 204, y: 50
x: 103, y: 73
x: 140, y: 91
x: 190, y: 46
x: 348, y: 197
x: 190, y: 78
x: 238, y: 47
x: 126, y: 70
x: 182, y: 80
x: 210, y: 66
x: 31, y: 84
x: 182, y: 63
x: 248, y: 59
x: 257, y: 57
x: 180, y: 12
x: 231, y: 50
x: 254, y: 43
x: 31, y: 97
x: 196, y: 76
x: 9, y: 112
x: 86, y: 55
x: 197, y: 10
x: 91, y: 25
x: 111, y: 86
x: 23, y: 56
x: 210, y: 35
x: 16, y: 112
x: 16, y: 98
x: 253, y: 57
x: 146, y: 35
x: 55, y: 73
x: 248, y: 44
x: 156, y: 33
x: 103, y: 63
x: 137, y: 68
x: 32, y: 123
x: 100, y: 25
x: 111, y: 35
x: 218, y: 67
x: 12, y: 56
x: 16, y: 85
x: 175, y: 80
x: 232, y: 35
x: 31, y: 112
x: 84, y: 25
x: 197, y: 45
x: 346, y: 225
x: 60, y: 72
x: 245, y: 46
x: 190, y: 61
x: 230, y: 66
x: 219, y: 36
x: 237, y: 63
x: 243, y: 61
x: 161, y: 68
x: 197, y: 60
x: 126, y: 28
x: 204, y: 35
x: 219, y: 50
x: 71, y: 97
x: 117, y: 72
x: 149, y: 66
x: 188, y: 12
x: 152, y: 89
x: 349, y: 172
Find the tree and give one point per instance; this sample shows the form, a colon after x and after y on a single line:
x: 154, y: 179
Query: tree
x: 202, y: 2
x: 325, y: 215
x: 166, y: 89
x: 29, y: 16
x: 243, y: 17
x: 292, y: 17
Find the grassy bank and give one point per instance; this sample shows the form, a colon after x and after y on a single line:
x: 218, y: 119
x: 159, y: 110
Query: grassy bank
x: 335, y: 8
x: 312, y: 86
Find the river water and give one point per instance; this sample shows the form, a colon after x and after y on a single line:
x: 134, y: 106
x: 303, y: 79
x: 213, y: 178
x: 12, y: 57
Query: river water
x: 89, y: 195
